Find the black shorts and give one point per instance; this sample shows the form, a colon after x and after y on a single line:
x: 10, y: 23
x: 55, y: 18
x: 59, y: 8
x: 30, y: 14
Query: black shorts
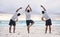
x: 48, y: 22
x: 12, y: 23
x: 29, y: 21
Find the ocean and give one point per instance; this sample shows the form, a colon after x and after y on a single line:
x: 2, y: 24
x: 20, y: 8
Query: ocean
x: 23, y: 23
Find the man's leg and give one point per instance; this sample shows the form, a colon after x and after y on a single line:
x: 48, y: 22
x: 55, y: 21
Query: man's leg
x: 10, y: 29
x: 28, y: 29
x: 46, y: 29
x: 49, y: 28
x: 14, y: 29
x: 32, y: 22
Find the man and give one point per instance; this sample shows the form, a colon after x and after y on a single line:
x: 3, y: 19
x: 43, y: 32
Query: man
x: 47, y: 20
x: 13, y: 20
x: 29, y: 22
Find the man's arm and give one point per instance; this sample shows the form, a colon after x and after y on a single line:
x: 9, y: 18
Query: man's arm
x: 26, y: 7
x: 42, y: 19
x: 43, y: 8
x: 17, y: 20
x: 30, y: 9
x: 18, y: 9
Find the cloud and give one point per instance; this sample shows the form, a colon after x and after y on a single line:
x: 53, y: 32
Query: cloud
x: 10, y: 6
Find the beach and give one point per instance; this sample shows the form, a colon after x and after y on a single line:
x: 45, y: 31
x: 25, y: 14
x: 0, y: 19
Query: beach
x: 35, y: 31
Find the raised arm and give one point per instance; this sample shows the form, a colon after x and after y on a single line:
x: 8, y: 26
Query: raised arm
x: 29, y: 7
x: 43, y: 8
x: 18, y: 9
x: 26, y: 7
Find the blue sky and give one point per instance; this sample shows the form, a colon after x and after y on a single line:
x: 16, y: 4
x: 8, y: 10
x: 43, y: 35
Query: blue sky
x: 9, y: 6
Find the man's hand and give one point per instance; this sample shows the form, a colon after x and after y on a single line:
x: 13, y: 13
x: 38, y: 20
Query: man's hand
x: 42, y: 19
x: 17, y: 20
x: 41, y: 6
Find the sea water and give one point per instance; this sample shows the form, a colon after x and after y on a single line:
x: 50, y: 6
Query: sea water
x: 23, y: 23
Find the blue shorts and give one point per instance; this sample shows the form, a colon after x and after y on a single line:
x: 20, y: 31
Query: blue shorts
x: 29, y: 21
x: 12, y: 23
x: 48, y: 22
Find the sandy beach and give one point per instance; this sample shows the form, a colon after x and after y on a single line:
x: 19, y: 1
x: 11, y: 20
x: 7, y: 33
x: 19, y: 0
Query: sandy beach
x: 35, y: 31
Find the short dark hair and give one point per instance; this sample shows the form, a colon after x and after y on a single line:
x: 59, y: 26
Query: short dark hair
x: 18, y: 14
x: 43, y: 12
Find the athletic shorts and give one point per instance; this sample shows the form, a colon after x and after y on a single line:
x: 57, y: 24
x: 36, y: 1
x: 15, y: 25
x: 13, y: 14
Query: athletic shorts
x: 48, y: 22
x: 12, y: 23
x: 29, y: 21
